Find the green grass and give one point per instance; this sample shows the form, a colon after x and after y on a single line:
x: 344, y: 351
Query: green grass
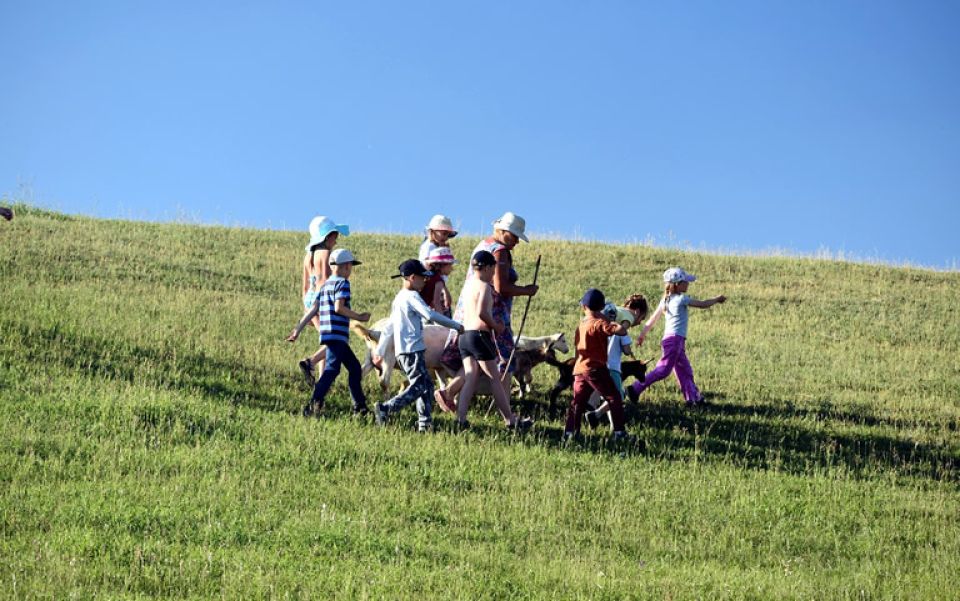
x: 151, y: 447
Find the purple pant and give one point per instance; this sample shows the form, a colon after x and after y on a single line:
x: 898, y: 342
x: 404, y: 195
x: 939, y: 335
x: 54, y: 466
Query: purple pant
x: 674, y: 360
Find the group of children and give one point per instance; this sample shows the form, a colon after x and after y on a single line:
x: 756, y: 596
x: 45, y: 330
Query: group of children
x: 600, y: 340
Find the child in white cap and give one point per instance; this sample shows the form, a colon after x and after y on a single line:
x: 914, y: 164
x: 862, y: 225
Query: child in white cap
x: 332, y: 305
x: 316, y: 269
x: 674, y: 306
x: 439, y: 231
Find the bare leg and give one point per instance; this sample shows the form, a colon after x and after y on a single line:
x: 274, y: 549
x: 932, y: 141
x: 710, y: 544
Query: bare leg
x: 318, y: 359
x: 499, y: 393
x: 446, y: 395
x: 468, y: 387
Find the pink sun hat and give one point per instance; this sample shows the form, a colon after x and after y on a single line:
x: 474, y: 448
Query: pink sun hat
x: 441, y: 254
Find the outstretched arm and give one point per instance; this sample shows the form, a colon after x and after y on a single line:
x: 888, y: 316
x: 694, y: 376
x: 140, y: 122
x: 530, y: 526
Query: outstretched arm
x: 428, y: 313
x: 707, y: 303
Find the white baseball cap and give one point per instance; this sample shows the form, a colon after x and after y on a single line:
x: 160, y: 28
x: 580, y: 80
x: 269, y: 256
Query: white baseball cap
x: 514, y: 224
x: 675, y: 275
x: 342, y: 256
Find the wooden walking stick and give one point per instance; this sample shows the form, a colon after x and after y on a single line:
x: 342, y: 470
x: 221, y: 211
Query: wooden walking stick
x: 505, y: 377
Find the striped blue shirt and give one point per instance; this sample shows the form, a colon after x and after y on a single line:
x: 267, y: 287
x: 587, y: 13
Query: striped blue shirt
x: 332, y: 325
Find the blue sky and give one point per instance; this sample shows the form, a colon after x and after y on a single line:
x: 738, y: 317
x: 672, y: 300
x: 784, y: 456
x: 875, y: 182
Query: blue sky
x: 742, y: 126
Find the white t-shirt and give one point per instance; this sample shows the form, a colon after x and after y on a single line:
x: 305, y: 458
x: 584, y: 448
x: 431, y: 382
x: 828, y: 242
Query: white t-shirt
x: 615, y: 346
x: 406, y: 319
x: 425, y: 247
x: 675, y: 315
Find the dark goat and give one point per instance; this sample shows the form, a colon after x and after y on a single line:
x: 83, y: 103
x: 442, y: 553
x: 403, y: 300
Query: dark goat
x: 633, y: 367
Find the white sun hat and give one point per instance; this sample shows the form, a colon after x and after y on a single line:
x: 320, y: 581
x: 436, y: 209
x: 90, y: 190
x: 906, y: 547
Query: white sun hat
x: 675, y: 275
x: 514, y: 224
x: 341, y: 256
x: 441, y: 223
x: 321, y: 227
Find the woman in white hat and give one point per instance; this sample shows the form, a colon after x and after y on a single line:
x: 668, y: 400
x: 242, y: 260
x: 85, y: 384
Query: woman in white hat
x: 439, y: 231
x: 316, y: 270
x: 508, y: 231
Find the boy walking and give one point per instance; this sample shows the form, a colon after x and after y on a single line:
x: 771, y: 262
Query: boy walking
x: 332, y: 305
x: 477, y: 346
x: 590, y: 370
x: 407, y: 317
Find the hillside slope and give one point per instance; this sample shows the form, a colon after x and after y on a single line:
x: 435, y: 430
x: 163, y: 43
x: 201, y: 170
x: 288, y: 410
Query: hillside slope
x: 151, y: 446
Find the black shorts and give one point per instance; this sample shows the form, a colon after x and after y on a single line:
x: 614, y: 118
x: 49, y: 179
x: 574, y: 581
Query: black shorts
x: 478, y: 344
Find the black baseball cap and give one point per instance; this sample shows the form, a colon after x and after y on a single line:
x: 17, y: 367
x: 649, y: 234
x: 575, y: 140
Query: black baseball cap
x: 593, y: 299
x: 482, y: 258
x: 412, y: 267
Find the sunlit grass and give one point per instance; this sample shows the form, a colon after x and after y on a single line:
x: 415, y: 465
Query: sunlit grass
x: 150, y: 442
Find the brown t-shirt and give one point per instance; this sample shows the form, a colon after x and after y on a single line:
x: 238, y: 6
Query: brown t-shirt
x: 590, y: 342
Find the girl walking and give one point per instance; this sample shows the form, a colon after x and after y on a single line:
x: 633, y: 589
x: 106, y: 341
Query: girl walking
x: 439, y: 232
x: 674, y: 306
x: 316, y: 270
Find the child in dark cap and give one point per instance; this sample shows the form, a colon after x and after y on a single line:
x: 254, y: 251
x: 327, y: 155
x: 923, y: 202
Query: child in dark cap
x: 590, y: 370
x: 406, y: 318
x: 477, y: 346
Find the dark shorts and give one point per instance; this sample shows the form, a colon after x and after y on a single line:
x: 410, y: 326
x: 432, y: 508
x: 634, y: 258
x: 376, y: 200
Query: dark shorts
x: 477, y: 344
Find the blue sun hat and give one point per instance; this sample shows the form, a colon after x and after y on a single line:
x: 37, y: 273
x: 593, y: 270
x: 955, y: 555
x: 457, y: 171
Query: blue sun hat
x: 321, y: 227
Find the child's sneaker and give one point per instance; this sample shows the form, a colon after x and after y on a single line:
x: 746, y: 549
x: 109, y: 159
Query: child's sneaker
x: 424, y: 428
x: 360, y: 411
x: 379, y: 414
x: 521, y: 425
x: 312, y: 408
x: 592, y: 419
x: 568, y: 439
x: 620, y: 436
x: 306, y: 367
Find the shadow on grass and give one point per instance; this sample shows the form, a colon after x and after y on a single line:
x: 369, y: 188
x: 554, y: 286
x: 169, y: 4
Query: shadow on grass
x: 780, y: 436
x: 54, y: 348
x: 777, y: 436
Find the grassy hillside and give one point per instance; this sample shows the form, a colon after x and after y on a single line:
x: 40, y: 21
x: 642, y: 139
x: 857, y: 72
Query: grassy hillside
x: 151, y: 444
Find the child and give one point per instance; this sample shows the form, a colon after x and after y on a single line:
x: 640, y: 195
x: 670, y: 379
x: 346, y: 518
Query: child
x: 333, y: 306
x: 316, y: 269
x: 674, y: 305
x: 635, y: 310
x: 407, y: 317
x: 440, y: 262
x: 439, y: 231
x: 590, y: 370
x: 477, y: 347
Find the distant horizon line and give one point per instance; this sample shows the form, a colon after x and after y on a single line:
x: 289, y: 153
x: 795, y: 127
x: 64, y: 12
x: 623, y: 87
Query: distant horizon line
x: 821, y: 254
